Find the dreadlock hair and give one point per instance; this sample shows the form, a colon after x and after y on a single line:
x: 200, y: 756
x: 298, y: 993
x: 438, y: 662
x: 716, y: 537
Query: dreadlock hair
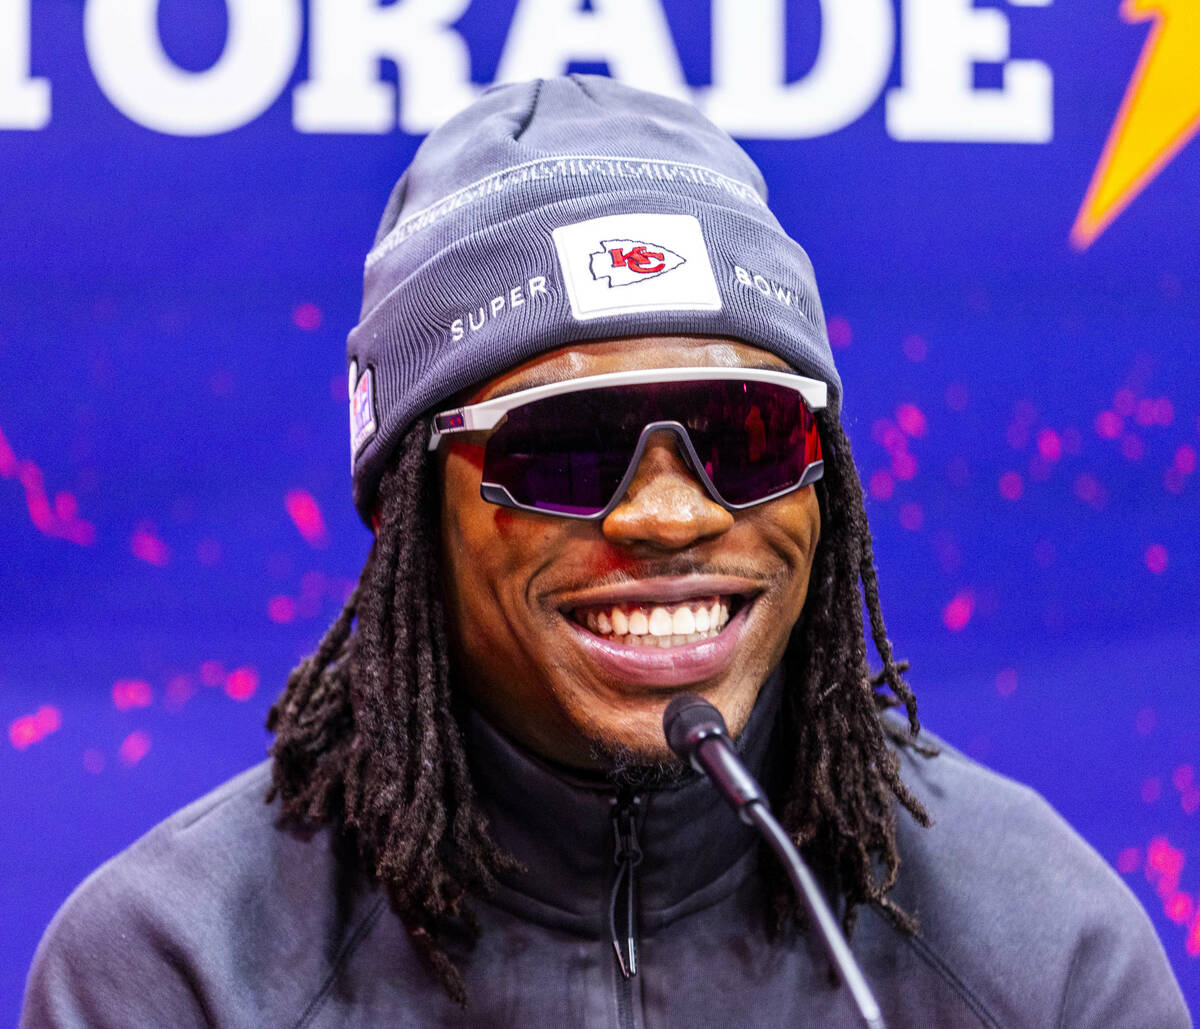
x: 367, y: 740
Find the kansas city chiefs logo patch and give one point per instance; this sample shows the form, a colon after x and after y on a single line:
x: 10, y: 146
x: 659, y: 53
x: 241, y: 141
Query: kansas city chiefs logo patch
x: 626, y: 261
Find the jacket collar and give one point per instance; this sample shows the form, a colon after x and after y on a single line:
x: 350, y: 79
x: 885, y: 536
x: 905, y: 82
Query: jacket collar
x: 561, y: 829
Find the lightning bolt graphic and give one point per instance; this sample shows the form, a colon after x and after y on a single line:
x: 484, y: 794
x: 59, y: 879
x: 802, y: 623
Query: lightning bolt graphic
x: 1160, y: 113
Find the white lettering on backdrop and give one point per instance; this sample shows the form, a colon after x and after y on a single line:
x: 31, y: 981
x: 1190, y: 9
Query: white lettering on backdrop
x: 631, y: 36
x: 937, y: 100
x: 942, y: 42
x: 349, y: 37
x: 24, y: 101
x: 143, y: 83
x: 750, y: 96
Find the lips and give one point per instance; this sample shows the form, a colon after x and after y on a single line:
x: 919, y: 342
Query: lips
x: 663, y: 633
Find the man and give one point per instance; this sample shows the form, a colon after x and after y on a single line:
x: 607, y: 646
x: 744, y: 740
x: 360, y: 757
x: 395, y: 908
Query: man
x: 595, y: 428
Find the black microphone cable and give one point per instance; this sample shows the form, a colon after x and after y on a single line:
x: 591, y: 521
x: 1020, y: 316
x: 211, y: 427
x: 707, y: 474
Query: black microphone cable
x: 696, y: 732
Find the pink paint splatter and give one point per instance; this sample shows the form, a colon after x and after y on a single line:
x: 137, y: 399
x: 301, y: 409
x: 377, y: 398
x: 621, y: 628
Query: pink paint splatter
x: 911, y: 420
x: 241, y: 683
x: 212, y: 673
x: 305, y: 513
x: 840, y: 335
x: 1011, y: 486
x: 957, y: 614
x: 889, y: 436
x: 1185, y: 459
x: 180, y: 689
x: 1006, y: 682
x: 1049, y: 445
x: 130, y: 693
x: 133, y: 748
x: 1109, y: 425
x: 911, y: 516
x: 1156, y: 558
x: 1128, y: 860
x: 307, y: 317
x: 146, y: 546
x: 1178, y: 908
x: 1132, y: 447
x: 281, y: 610
x: 1091, y: 491
x: 60, y: 520
x: 27, y: 730
x: 904, y: 467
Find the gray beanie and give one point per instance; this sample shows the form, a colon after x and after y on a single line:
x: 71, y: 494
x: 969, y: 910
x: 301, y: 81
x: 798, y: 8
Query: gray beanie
x: 561, y: 210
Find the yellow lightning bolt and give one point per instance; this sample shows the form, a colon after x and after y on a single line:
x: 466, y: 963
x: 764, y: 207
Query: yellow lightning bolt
x: 1160, y: 113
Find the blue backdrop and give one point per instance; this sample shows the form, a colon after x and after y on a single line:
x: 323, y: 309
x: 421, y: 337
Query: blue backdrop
x: 1001, y: 205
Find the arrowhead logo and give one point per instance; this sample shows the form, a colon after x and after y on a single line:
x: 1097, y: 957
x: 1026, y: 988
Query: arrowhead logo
x: 626, y: 261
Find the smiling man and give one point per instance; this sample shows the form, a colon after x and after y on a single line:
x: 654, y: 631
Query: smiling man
x: 595, y: 428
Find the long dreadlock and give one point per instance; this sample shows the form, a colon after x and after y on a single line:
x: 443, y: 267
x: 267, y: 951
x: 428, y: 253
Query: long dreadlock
x: 367, y: 739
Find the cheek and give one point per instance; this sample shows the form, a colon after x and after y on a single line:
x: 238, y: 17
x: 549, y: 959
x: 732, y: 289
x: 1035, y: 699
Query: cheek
x: 792, y: 527
x: 489, y: 552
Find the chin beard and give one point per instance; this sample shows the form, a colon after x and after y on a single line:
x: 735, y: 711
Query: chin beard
x: 638, y: 769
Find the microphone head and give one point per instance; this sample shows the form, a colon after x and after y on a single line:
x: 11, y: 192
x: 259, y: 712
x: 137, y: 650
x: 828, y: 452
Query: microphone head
x: 687, y: 721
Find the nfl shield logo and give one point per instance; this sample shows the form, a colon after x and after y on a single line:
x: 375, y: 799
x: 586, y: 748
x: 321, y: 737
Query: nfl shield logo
x: 362, y: 408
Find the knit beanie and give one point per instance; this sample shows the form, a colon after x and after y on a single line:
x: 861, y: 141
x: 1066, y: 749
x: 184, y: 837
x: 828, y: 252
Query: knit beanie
x: 564, y: 210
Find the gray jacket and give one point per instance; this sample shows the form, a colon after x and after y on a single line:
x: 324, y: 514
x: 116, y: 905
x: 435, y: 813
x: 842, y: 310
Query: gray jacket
x: 219, y: 918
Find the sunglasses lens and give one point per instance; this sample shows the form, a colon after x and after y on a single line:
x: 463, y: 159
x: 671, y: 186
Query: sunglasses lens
x: 568, y: 454
x: 558, y: 455
x: 754, y: 440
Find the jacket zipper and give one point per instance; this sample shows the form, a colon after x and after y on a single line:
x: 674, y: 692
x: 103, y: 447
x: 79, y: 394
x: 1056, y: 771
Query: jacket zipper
x: 622, y: 905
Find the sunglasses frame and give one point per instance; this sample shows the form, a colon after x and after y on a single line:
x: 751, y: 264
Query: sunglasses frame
x: 488, y: 414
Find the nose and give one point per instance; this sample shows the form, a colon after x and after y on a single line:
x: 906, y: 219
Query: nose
x: 665, y: 506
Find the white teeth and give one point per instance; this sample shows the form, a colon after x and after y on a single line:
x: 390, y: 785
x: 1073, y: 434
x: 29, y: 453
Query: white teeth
x: 660, y: 622
x: 660, y: 625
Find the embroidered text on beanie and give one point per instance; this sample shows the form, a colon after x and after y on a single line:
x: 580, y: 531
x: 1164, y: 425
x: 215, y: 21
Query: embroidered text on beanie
x: 563, y: 210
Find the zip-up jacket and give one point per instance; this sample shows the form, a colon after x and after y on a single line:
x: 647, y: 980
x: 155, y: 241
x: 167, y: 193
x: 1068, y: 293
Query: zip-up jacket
x: 630, y: 911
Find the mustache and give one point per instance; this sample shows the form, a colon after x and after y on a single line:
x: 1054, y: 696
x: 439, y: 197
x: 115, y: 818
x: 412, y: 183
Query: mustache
x: 667, y: 567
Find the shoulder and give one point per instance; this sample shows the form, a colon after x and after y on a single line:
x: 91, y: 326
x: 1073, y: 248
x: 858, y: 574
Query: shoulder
x: 199, y: 906
x: 1014, y: 904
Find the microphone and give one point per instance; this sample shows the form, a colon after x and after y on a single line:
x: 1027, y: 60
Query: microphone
x: 696, y: 732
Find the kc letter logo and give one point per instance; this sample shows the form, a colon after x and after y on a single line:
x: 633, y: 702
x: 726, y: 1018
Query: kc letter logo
x: 626, y: 261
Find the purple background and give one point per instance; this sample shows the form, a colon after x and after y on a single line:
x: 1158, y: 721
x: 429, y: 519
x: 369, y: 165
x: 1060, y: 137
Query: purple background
x: 172, y: 400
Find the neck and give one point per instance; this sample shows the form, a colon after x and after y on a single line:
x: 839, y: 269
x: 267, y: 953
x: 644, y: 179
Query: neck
x: 559, y: 824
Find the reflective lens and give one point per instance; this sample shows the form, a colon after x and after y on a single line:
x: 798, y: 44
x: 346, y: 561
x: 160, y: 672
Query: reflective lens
x: 570, y: 453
